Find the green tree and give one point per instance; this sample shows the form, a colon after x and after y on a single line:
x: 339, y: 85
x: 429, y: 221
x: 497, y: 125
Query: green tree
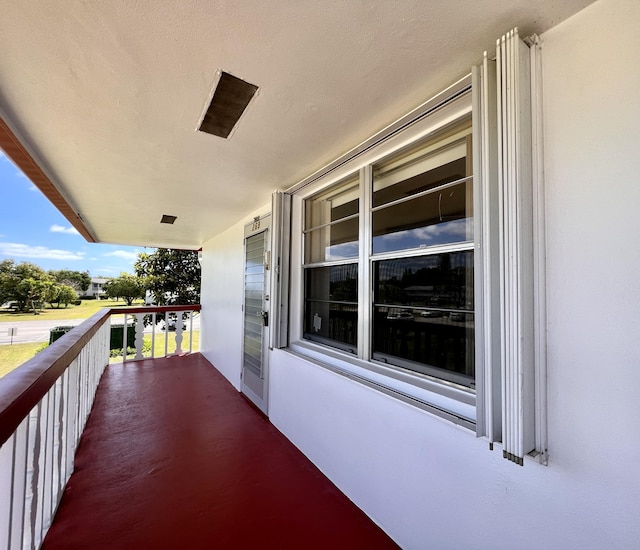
x: 68, y: 295
x: 31, y: 293
x: 24, y: 283
x: 128, y: 287
x: 60, y: 294
x: 78, y: 280
x: 7, y: 280
x: 52, y: 293
x: 173, y: 276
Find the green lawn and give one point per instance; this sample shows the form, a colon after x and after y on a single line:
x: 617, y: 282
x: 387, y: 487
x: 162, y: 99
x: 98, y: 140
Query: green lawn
x: 85, y: 310
x: 14, y: 355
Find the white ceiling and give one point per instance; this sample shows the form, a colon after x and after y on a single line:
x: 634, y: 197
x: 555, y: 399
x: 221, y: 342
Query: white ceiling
x: 108, y: 94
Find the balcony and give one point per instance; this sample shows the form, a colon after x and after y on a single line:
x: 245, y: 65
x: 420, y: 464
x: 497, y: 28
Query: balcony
x: 169, y: 455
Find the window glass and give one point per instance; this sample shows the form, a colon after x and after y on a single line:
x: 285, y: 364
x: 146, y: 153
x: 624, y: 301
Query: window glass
x: 331, y: 305
x: 331, y: 223
x: 423, y: 314
x: 338, y: 241
x: 419, y: 300
x: 423, y: 199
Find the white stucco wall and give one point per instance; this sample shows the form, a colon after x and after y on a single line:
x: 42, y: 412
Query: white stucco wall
x: 430, y: 484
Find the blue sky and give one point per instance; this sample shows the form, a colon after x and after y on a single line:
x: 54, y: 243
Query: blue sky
x: 32, y: 230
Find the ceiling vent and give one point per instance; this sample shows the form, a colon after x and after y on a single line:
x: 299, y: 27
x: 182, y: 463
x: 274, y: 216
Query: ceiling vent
x: 230, y: 99
x: 168, y: 219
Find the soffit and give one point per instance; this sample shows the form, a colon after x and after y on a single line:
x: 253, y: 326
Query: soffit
x: 107, y: 96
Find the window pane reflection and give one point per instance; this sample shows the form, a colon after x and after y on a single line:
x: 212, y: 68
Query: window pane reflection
x: 338, y: 241
x: 331, y: 305
x: 336, y: 203
x: 423, y: 315
x: 441, y: 210
x: 436, y: 218
x: 331, y: 223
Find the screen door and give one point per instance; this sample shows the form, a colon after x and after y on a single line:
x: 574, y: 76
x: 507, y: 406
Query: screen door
x: 256, y: 311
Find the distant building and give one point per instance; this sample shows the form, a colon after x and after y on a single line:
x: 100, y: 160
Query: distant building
x: 95, y: 288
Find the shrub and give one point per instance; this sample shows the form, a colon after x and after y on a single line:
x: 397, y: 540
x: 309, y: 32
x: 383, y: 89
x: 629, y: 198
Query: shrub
x: 42, y: 347
x: 115, y: 340
x: 58, y: 332
x: 117, y: 334
x: 146, y: 348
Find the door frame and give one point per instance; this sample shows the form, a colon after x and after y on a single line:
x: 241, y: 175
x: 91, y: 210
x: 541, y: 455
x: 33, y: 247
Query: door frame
x: 260, y: 224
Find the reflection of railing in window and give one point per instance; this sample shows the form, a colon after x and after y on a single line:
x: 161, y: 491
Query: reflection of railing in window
x: 341, y: 326
x: 343, y: 323
x: 442, y: 342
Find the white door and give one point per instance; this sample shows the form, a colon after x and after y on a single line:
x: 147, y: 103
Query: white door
x: 256, y: 308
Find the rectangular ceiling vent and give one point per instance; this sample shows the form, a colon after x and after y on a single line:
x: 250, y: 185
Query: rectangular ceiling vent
x: 230, y: 99
x: 168, y: 219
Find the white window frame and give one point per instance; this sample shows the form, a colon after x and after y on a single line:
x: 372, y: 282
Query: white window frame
x: 440, y: 397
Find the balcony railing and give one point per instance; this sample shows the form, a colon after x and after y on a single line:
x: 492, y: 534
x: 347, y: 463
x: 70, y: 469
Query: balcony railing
x: 155, y: 324
x: 44, y: 405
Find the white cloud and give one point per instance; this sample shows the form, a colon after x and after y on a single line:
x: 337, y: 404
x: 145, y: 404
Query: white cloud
x: 60, y: 229
x: 123, y: 254
x: 3, y: 157
x: 38, y: 252
x: 456, y: 228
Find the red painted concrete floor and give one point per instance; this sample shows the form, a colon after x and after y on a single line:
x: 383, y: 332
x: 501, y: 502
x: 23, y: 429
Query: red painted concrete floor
x: 173, y: 457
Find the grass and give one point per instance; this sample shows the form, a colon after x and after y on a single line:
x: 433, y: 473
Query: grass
x: 85, y: 310
x: 14, y: 355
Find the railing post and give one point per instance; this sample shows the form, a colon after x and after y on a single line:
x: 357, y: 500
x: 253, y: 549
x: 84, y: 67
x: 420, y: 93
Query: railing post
x: 178, y: 332
x: 7, y: 453
x: 139, y: 335
x: 153, y: 334
x: 30, y: 479
x: 124, y: 338
x: 190, y: 331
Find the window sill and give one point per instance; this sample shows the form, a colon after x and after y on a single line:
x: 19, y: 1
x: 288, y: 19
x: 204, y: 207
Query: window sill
x: 447, y: 401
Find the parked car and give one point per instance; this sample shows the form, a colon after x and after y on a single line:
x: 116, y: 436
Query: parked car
x: 431, y: 313
x: 457, y: 316
x: 400, y: 316
x: 170, y: 323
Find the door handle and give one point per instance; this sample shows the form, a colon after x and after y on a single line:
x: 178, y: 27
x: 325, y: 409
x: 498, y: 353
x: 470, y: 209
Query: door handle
x: 265, y: 317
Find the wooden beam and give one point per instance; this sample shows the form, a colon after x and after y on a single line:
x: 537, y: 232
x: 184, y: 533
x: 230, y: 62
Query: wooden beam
x: 16, y: 151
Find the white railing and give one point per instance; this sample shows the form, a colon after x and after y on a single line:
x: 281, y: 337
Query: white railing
x: 44, y: 405
x: 167, y: 324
